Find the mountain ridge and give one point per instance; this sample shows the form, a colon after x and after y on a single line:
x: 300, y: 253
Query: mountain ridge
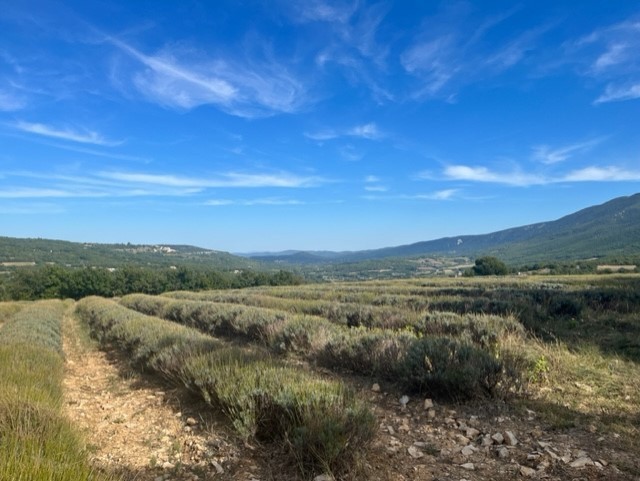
x: 601, y: 231
x: 608, y: 229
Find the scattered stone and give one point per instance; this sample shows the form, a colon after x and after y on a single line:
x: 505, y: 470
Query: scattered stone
x: 403, y: 401
x: 218, y: 467
x: 468, y: 466
x: 375, y: 387
x: 323, y: 477
x: 503, y: 452
x: 168, y: 465
x: 428, y: 404
x: 486, y: 440
x: 510, y: 439
x: 468, y: 450
x: 498, y: 438
x: 472, y: 433
x: 431, y: 413
x: 581, y: 462
x: 544, y: 465
x: 603, y: 462
x: 527, y: 472
x: 390, y: 430
x: 191, y: 422
x: 415, y: 453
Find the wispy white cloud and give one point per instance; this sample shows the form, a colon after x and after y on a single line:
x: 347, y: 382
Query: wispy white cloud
x: 99, y: 153
x: 368, y: 131
x: 229, y: 180
x: 376, y: 188
x: 434, y: 61
x: 445, y: 194
x: 350, y: 153
x: 615, y: 54
x: 372, y: 178
x: 483, y: 174
x: 321, y: 11
x: 176, y: 79
x: 548, y: 155
x: 35, y: 193
x: 83, y: 136
x: 37, y: 185
x: 445, y: 56
x: 615, y: 93
x: 269, y: 201
x: 11, y: 102
x: 524, y: 179
x: 612, y: 56
x: 602, y: 174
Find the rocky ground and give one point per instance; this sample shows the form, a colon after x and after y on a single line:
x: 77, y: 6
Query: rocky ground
x: 146, y: 431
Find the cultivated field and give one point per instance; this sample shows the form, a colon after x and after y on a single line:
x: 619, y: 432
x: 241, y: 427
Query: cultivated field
x: 474, y: 378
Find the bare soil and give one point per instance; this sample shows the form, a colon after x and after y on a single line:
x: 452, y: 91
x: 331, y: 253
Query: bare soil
x: 145, y: 430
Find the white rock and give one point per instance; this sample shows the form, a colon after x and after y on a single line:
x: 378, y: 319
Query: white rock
x: 510, y: 439
x: 468, y: 450
x: 191, y: 422
x: 375, y: 387
x: 503, y: 453
x: 498, y: 438
x: 527, y: 472
x: 323, y: 477
x: 415, y: 453
x: 431, y: 413
x: 472, y: 433
x: 486, y: 441
x: 468, y: 466
x: 581, y: 462
x: 218, y: 467
x: 428, y: 403
x: 404, y: 400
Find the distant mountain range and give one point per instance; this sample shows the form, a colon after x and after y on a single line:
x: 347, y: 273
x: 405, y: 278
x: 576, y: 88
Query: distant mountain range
x: 608, y: 230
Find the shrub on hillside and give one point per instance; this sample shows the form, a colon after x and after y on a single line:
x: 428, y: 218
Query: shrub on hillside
x: 445, y: 366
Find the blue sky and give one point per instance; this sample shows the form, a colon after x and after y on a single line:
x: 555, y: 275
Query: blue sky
x: 312, y: 124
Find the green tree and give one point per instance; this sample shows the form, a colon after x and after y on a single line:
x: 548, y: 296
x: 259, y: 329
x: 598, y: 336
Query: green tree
x: 490, y: 266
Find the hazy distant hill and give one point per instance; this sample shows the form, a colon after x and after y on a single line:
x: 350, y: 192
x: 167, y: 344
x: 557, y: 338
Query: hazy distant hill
x: 607, y: 230
x: 17, y: 252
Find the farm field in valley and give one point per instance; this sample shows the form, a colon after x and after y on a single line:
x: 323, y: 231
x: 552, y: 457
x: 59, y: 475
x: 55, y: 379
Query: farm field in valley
x: 468, y: 378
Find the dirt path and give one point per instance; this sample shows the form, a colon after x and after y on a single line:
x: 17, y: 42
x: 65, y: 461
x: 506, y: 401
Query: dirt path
x: 137, y: 427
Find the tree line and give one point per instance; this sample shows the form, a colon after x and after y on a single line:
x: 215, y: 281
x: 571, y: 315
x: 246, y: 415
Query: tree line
x: 51, y: 282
